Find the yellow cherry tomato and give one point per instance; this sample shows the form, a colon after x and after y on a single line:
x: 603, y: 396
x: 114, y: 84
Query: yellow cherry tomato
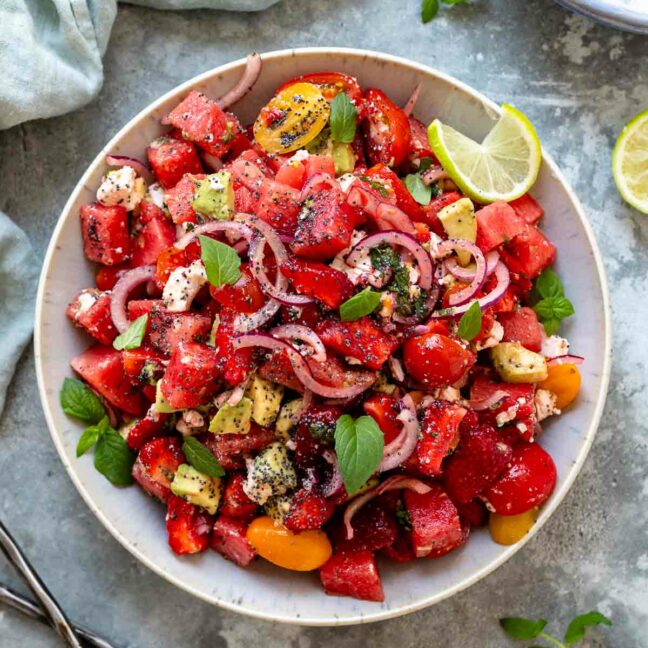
x: 564, y: 380
x: 292, y: 118
x: 509, y: 529
x: 303, y: 551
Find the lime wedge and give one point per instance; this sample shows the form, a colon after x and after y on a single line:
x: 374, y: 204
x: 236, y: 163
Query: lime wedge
x: 503, y: 167
x: 630, y: 163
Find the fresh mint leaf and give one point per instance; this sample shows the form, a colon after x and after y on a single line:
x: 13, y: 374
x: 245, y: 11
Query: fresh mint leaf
x: 359, y: 447
x: 576, y: 629
x: 549, y: 285
x: 520, y: 628
x: 113, y: 459
x: 421, y: 192
x: 552, y: 310
x: 78, y: 400
x: 470, y: 322
x: 359, y: 305
x: 201, y: 458
x: 132, y: 337
x: 222, y: 264
x: 91, y: 436
x: 429, y: 9
x: 344, y: 117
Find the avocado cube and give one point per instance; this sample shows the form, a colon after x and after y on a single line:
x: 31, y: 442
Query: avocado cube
x: 285, y: 423
x: 343, y: 158
x: 458, y: 220
x: 515, y: 364
x: 233, y: 419
x: 214, y: 196
x: 266, y: 400
x: 197, y: 488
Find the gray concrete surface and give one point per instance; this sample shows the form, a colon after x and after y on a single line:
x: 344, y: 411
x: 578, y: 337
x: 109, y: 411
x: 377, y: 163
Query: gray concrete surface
x: 579, y: 83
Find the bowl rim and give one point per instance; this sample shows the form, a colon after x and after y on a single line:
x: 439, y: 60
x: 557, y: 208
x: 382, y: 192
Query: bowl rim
x: 380, y: 614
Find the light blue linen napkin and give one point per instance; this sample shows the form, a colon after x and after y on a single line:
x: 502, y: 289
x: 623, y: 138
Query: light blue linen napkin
x: 50, y: 64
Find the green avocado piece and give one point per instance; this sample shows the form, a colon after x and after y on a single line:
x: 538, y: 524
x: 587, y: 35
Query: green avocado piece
x: 266, y: 400
x: 214, y: 196
x: 197, y: 488
x: 233, y: 419
x: 458, y: 220
x: 272, y: 473
x: 160, y: 403
x: 343, y: 158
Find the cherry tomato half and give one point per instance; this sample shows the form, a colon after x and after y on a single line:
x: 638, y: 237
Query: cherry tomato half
x: 330, y: 85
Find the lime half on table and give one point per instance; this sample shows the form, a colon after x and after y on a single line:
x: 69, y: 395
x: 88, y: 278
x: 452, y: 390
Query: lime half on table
x: 630, y: 163
x: 503, y: 166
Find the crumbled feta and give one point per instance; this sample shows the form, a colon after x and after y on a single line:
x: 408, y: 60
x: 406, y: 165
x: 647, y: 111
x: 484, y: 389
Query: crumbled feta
x: 121, y: 187
x: 495, y: 336
x: 449, y: 394
x: 183, y: 285
x: 300, y: 156
x: 545, y: 404
x: 85, y: 301
x: 554, y: 346
x: 155, y: 194
x: 191, y: 422
x: 363, y: 267
x: 345, y: 181
x: 507, y: 415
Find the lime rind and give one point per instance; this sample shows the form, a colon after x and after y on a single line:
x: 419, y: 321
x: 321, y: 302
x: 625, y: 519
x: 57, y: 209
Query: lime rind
x: 630, y: 162
x: 504, y: 166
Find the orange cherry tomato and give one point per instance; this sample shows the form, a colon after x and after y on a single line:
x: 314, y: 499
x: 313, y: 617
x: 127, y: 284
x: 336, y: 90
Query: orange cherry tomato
x: 303, y: 551
x: 563, y: 380
x: 509, y: 529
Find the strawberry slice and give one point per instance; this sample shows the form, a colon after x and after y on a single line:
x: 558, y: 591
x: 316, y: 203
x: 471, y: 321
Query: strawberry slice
x: 156, y: 464
x: 230, y: 449
x: 188, y: 527
x: 235, y: 503
x: 229, y: 539
x: 151, y: 426
x: 352, y: 574
x: 308, y: 510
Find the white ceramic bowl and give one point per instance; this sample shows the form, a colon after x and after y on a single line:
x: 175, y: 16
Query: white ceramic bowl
x: 264, y: 591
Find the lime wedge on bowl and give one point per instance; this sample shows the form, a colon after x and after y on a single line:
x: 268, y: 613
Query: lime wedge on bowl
x: 503, y: 166
x: 630, y: 163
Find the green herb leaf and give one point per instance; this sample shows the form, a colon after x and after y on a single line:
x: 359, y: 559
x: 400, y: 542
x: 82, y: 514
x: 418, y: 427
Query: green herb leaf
x: 421, y: 192
x: 201, y: 458
x: 91, y: 435
x: 429, y: 9
x: 452, y: 2
x: 470, y: 322
x: 359, y: 447
x: 78, y: 400
x: 551, y: 311
x: 519, y: 628
x: 132, y: 337
x: 376, y: 186
x: 343, y: 119
x: 222, y: 264
x: 113, y: 459
x: 425, y: 163
x: 548, y: 284
x: 359, y: 305
x: 576, y: 629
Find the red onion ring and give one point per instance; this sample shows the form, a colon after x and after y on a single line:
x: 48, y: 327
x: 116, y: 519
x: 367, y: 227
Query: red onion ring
x: 452, y: 266
x: 214, y: 226
x: 299, y: 365
x: 433, y: 174
x: 430, y: 303
x: 396, y: 368
x: 487, y: 403
x: 246, y: 323
x: 413, y: 98
x: 244, y: 84
x: 387, y: 216
x: 503, y: 282
x: 396, y: 482
x: 139, y: 167
x: 121, y: 290
x: 321, y: 181
x: 565, y: 359
x: 467, y: 293
x: 336, y: 482
x: 422, y: 258
x: 305, y: 334
x: 402, y: 447
x: 306, y: 400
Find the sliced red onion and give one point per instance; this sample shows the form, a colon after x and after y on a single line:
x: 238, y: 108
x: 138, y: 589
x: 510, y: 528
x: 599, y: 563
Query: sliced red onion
x: 503, y: 282
x: 396, y: 482
x: 411, y: 102
x: 306, y: 400
x: 467, y: 293
x: 139, y: 167
x: 468, y: 274
x: 212, y: 162
x: 565, y: 359
x: 119, y: 294
x: 299, y: 365
x: 396, y: 368
x: 336, y: 482
x: 402, y: 447
x: 487, y: 403
x: 244, y: 84
x: 430, y: 303
x: 240, y: 247
x: 433, y: 174
x: 423, y: 259
x: 246, y: 323
x: 305, y: 334
x: 214, y: 226
x: 319, y: 182
x: 387, y: 216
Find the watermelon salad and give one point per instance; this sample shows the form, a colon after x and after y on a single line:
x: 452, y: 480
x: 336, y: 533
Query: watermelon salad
x: 309, y: 346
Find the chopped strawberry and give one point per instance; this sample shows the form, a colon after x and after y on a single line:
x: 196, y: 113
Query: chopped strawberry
x: 143, y: 430
x: 308, y: 510
x: 156, y: 465
x: 234, y: 502
x: 188, y: 527
x: 373, y: 529
x: 237, y: 364
x: 229, y: 539
x: 171, y: 158
x: 317, y: 280
x: 352, y: 574
x: 106, y: 238
x: 90, y: 309
x: 229, y: 449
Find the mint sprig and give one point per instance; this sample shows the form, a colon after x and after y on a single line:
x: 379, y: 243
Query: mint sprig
x: 359, y: 447
x: 113, y: 458
x: 132, y: 337
x: 553, y: 307
x: 421, y: 192
x: 79, y: 401
x: 201, y: 457
x: 344, y: 116
x: 222, y: 264
x: 364, y: 303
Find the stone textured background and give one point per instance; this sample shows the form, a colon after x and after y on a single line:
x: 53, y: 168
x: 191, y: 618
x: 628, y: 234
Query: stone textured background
x: 579, y: 83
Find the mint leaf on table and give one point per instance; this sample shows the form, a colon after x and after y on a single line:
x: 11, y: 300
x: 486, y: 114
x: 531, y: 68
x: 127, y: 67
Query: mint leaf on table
x: 79, y: 401
x: 359, y: 447
x: 201, y: 457
x: 429, y: 9
x: 344, y: 117
x: 113, y: 458
x: 421, y: 192
x: 132, y: 337
x: 91, y: 436
x: 553, y: 307
x: 364, y: 303
x: 471, y: 322
x: 576, y: 629
x: 222, y: 264
x: 520, y: 628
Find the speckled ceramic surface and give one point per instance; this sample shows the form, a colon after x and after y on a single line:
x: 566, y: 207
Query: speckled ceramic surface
x: 264, y: 591
x: 630, y: 15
